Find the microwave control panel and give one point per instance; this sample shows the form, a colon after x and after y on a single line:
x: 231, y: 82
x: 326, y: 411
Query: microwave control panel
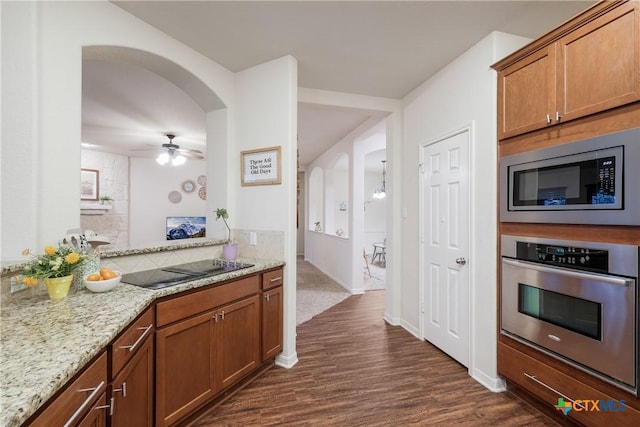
x: 565, y: 256
x: 606, y: 193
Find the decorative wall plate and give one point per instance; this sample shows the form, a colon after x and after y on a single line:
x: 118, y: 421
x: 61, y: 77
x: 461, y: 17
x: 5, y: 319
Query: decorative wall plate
x: 175, y: 197
x: 188, y: 186
x: 202, y: 192
x: 202, y: 180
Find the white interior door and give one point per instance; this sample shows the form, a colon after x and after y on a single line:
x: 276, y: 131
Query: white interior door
x: 445, y: 244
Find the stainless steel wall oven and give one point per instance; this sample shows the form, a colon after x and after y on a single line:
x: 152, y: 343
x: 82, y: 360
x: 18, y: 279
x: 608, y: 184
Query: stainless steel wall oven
x: 576, y: 301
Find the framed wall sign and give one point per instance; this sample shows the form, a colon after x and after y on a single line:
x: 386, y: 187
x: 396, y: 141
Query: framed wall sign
x: 89, y: 184
x: 261, y: 166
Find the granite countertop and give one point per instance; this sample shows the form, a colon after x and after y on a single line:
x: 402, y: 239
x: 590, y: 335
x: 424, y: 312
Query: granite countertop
x: 44, y: 343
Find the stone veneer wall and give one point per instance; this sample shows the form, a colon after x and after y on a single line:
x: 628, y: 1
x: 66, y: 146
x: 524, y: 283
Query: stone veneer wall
x: 114, y: 182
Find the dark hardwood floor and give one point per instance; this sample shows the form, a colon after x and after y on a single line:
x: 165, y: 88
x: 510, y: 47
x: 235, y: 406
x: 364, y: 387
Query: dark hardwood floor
x: 356, y: 370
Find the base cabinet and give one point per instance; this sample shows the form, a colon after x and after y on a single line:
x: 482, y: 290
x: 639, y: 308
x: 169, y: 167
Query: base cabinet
x: 186, y: 357
x: 272, y: 313
x: 589, y: 406
x: 97, y: 416
x: 200, y: 356
x: 238, y: 340
x: 83, y: 402
x: 132, y: 390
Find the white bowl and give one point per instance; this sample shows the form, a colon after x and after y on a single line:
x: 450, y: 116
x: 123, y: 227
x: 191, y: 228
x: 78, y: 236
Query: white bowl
x: 102, y: 285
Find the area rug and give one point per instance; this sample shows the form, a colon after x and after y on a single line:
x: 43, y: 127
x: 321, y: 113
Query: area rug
x: 377, y: 279
x: 316, y: 292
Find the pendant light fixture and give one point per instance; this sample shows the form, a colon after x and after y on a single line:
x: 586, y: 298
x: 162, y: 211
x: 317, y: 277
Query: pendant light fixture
x: 381, y: 192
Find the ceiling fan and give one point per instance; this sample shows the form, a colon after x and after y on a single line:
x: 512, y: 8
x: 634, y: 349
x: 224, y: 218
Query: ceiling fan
x: 174, y: 153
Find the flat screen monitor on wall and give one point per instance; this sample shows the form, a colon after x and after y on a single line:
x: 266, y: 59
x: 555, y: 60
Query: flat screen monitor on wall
x: 186, y: 227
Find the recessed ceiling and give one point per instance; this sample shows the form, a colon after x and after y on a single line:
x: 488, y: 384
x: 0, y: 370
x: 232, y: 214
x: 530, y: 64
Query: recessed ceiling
x: 376, y: 48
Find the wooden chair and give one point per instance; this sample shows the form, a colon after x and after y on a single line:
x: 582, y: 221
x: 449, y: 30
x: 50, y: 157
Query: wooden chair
x: 366, y: 261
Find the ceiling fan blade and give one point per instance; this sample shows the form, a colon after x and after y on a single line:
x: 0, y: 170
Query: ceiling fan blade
x: 147, y: 149
x: 191, y: 154
x: 189, y: 150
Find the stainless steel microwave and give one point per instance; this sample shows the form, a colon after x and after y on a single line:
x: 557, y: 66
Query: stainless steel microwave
x: 592, y: 181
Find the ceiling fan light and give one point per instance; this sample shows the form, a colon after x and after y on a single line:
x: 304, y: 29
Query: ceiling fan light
x: 178, y: 160
x: 162, y: 159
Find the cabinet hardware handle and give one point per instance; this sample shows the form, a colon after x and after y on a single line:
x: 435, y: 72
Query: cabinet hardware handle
x: 94, y: 392
x: 266, y: 297
x: 558, y: 117
x: 222, y: 315
x: 140, y: 339
x: 215, y: 317
x: 275, y: 279
x: 570, y: 273
x: 533, y: 378
x: 548, y: 119
x: 110, y: 406
x: 123, y: 389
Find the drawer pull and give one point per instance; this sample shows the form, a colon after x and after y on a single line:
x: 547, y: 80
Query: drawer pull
x: 122, y: 389
x: 110, y: 407
x: 94, y: 392
x: 533, y: 378
x: 275, y: 279
x: 139, y: 340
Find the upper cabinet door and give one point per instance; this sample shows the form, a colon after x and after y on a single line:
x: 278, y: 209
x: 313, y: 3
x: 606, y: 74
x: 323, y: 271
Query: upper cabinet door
x: 527, y: 93
x: 599, y: 64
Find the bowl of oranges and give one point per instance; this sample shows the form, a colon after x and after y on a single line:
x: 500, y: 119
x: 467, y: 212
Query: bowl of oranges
x: 103, y: 280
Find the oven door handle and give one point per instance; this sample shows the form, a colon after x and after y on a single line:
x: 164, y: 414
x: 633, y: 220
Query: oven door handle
x: 613, y: 280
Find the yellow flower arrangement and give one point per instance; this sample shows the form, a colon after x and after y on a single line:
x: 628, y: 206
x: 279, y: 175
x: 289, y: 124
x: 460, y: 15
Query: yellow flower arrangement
x: 55, y: 262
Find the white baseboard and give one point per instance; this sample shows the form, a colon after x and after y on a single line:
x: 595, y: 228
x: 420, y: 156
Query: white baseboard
x: 495, y: 384
x: 287, y: 361
x: 393, y: 321
x: 411, y: 329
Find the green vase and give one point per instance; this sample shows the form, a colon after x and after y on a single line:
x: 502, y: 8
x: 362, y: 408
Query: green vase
x: 58, y: 287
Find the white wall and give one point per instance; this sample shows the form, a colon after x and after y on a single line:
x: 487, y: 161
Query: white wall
x: 150, y: 185
x: 19, y: 150
x: 266, y: 116
x: 44, y: 41
x: 462, y: 93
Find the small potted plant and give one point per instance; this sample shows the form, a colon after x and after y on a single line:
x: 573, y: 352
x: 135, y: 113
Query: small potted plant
x: 105, y: 200
x: 56, y: 266
x: 229, y: 249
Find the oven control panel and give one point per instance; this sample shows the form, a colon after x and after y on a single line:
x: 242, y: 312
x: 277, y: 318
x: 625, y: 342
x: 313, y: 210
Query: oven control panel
x: 567, y: 256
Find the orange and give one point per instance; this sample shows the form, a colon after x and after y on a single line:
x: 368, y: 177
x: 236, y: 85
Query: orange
x: 105, y: 270
x: 94, y: 277
x: 108, y: 274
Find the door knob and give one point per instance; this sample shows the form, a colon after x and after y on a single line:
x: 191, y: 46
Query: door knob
x: 461, y: 261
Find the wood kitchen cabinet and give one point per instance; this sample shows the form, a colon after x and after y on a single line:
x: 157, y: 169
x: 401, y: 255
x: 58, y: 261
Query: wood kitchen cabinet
x: 272, y: 313
x: 132, y: 374
x: 209, y: 342
x: 83, y: 401
x: 548, y: 384
x: 588, y: 65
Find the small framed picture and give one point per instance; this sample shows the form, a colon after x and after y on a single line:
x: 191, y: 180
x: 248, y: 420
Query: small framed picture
x: 261, y: 166
x: 89, y: 184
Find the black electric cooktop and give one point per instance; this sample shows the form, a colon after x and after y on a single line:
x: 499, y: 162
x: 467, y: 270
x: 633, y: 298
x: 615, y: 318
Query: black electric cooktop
x: 169, y: 276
